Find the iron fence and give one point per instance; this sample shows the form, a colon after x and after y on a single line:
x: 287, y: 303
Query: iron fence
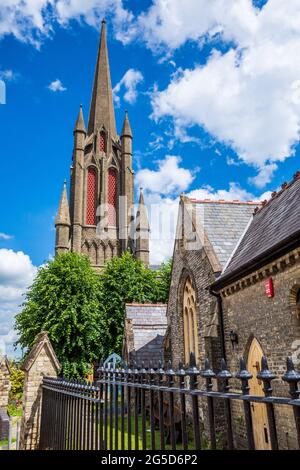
x: 152, y: 408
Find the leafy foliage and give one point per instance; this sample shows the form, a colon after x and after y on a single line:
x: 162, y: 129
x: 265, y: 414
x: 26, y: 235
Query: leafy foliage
x: 17, y: 382
x: 64, y: 300
x: 164, y: 281
x: 14, y: 407
x: 84, y: 311
x: 124, y: 280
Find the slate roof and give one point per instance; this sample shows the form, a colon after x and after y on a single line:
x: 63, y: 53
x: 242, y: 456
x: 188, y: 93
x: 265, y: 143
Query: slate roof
x: 145, y: 327
x: 224, y: 222
x: 276, y: 226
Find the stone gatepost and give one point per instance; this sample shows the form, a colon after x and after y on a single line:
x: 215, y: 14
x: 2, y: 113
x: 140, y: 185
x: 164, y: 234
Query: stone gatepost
x: 4, y: 395
x: 40, y: 362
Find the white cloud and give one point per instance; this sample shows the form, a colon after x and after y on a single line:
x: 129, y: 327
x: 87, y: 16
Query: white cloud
x: 130, y: 82
x: 56, y: 85
x: 247, y: 97
x: 27, y: 20
x: 169, y: 178
x: 16, y: 274
x: 264, y: 176
x: 8, y: 75
x: 5, y: 236
x: 235, y: 192
x: 170, y: 23
x: 163, y: 213
x: 33, y: 20
x: 162, y: 188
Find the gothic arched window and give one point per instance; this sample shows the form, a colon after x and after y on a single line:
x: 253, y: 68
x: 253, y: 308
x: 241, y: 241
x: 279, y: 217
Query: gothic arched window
x: 190, y: 329
x: 91, y: 196
x: 112, y: 197
x: 102, y: 142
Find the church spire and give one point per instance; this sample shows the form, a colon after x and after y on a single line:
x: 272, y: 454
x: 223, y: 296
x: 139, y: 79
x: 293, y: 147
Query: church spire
x: 102, y: 109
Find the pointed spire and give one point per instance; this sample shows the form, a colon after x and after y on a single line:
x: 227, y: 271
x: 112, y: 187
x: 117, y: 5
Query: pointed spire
x: 79, y: 126
x: 142, y: 215
x: 126, y: 132
x: 63, y: 213
x: 102, y: 109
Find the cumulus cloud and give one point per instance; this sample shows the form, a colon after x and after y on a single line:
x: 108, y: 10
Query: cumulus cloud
x: 163, y: 212
x: 247, y: 97
x: 130, y: 82
x: 264, y: 176
x: 33, y: 20
x: 235, y: 192
x: 162, y: 188
x: 56, y: 85
x: 169, y: 178
x: 16, y: 274
x: 170, y: 23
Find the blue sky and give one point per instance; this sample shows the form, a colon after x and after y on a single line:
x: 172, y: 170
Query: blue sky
x: 213, y: 94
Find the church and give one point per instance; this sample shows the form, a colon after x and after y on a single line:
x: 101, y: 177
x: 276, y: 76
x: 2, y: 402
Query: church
x: 98, y: 218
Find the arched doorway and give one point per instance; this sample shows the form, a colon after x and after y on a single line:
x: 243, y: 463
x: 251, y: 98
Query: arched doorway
x: 259, y: 411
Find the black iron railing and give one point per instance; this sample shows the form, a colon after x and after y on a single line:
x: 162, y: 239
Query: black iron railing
x: 159, y: 409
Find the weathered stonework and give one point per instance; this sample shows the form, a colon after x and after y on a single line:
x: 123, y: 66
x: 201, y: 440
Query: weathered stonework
x: 40, y: 362
x: 145, y: 327
x: 4, y: 382
x: 206, y: 235
x: 196, y: 265
x: 99, y: 149
x: 275, y: 323
x: 5, y: 386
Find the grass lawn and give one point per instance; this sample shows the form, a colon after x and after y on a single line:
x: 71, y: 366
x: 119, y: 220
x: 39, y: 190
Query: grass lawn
x: 111, y: 445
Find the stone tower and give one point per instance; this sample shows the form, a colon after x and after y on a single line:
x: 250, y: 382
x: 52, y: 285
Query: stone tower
x: 100, y: 219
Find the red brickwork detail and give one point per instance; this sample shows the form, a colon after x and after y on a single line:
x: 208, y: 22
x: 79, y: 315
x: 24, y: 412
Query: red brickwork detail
x: 112, y: 196
x: 91, y: 197
x: 102, y: 142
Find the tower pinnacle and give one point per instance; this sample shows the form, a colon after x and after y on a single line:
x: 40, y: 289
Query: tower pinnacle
x: 79, y: 126
x: 142, y: 231
x: 126, y: 131
x: 63, y: 213
x: 63, y: 223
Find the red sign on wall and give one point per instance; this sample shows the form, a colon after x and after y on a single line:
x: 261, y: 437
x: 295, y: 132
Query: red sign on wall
x: 269, y: 288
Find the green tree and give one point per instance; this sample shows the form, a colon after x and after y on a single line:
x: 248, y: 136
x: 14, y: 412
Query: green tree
x: 64, y: 300
x: 164, y: 280
x: 84, y: 311
x: 124, y: 280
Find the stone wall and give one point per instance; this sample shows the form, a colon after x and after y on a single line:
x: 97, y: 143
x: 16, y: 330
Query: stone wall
x: 40, y: 362
x: 275, y: 323
x: 4, y: 396
x: 196, y: 265
x: 4, y: 383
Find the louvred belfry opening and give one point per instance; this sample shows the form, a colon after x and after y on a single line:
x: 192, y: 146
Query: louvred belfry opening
x: 112, y: 196
x: 102, y: 142
x: 91, y: 197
